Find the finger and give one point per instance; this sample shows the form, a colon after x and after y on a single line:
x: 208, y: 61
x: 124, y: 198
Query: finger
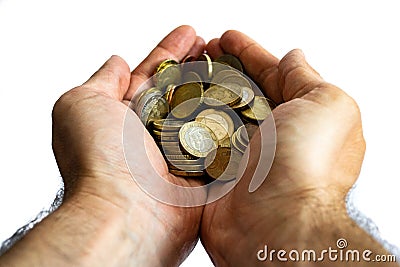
x: 112, y: 79
x: 174, y: 46
x: 296, y: 76
x: 198, y: 47
x: 214, y: 49
x: 258, y: 63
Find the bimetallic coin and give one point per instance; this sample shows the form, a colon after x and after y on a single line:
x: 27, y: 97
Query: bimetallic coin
x: 186, y: 100
x: 230, y: 60
x: 222, y: 94
x: 197, y: 139
x: 247, y: 98
x: 223, y: 163
x: 187, y: 173
x: 152, y: 107
x: 207, y: 72
x: 259, y: 110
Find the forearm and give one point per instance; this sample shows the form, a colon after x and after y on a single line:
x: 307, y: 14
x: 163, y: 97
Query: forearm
x: 82, y: 232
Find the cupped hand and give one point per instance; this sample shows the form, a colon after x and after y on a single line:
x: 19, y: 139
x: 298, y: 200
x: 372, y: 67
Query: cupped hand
x: 319, y: 151
x: 88, y: 128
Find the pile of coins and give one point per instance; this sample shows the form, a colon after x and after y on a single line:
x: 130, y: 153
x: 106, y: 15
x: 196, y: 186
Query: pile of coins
x: 202, y: 114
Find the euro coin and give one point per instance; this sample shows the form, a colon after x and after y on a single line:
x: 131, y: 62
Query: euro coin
x: 219, y: 122
x: 223, y: 163
x: 197, y: 139
x: 169, y: 75
x: 259, y: 110
x: 186, y: 100
x: 224, y: 94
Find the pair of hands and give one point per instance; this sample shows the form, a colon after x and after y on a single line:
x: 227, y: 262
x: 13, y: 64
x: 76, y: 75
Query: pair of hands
x: 319, y: 151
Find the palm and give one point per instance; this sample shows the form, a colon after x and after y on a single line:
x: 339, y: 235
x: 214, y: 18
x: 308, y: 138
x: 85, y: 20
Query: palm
x: 309, y: 132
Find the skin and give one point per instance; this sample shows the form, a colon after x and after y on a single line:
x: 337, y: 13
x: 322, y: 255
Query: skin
x: 107, y: 220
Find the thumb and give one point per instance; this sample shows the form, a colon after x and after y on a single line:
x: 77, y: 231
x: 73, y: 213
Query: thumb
x: 112, y: 79
x: 296, y: 77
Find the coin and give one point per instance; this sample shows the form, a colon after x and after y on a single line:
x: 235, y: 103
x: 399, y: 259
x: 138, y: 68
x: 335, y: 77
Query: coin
x: 197, y: 139
x: 207, y: 71
x: 222, y: 94
x: 191, y: 76
x: 220, y: 76
x: 166, y: 63
x: 236, y: 144
x: 167, y: 125
x: 169, y: 75
x: 178, y: 157
x: 152, y: 107
x: 230, y: 60
x: 186, y: 167
x: 186, y: 173
x: 259, y: 110
x: 223, y: 163
x: 247, y: 98
x: 186, y: 99
x: 237, y: 79
x: 188, y: 58
x: 219, y: 122
x: 158, y: 133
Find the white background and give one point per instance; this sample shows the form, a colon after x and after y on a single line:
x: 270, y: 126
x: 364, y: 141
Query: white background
x: 48, y: 47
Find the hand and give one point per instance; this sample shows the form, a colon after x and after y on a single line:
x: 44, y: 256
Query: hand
x: 88, y: 124
x: 319, y: 152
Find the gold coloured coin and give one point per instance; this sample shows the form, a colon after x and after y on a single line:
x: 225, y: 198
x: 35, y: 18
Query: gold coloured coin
x: 179, y: 157
x: 165, y: 64
x: 186, y: 173
x: 191, y: 76
x: 223, y: 163
x: 222, y: 94
x: 207, y: 72
x: 186, y: 100
x: 169, y: 75
x: 197, y: 139
x: 219, y: 122
x: 237, y: 79
x: 236, y: 144
x: 259, y: 110
x: 167, y: 125
x: 187, y: 167
x: 221, y: 75
x: 247, y: 98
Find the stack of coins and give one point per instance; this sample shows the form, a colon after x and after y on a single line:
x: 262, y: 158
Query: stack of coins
x: 202, y: 115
